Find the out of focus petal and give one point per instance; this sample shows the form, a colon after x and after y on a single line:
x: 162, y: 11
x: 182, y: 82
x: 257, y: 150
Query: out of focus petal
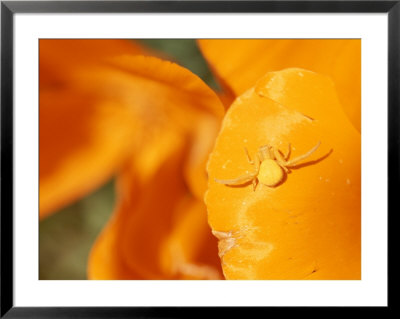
x: 160, y: 228
x: 159, y: 232
x: 106, y: 261
x: 190, y: 250
x: 150, y: 84
x: 59, y: 58
x: 82, y: 141
x: 162, y: 94
x: 150, y: 181
x: 202, y: 141
x: 83, y: 137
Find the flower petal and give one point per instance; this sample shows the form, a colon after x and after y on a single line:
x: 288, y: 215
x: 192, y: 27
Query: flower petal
x: 240, y: 63
x: 170, y: 104
x: 190, y: 250
x: 147, y: 82
x: 83, y: 139
x: 307, y: 226
x: 158, y: 230
x: 59, y: 58
x: 202, y: 141
x: 162, y: 94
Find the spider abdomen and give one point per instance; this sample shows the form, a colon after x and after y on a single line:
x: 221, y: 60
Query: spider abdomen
x: 270, y: 173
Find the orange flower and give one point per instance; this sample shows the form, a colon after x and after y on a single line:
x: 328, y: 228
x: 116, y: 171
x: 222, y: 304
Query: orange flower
x: 304, y: 221
x: 305, y: 224
x: 155, y: 124
x: 152, y: 121
x: 240, y: 63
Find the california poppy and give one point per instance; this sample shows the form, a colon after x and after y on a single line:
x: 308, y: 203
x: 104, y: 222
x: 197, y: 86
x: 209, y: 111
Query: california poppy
x: 305, y: 222
x: 157, y: 125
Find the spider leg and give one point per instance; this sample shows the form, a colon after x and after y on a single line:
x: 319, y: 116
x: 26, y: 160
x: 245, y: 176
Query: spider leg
x: 249, y: 177
x: 248, y: 156
x: 257, y: 163
x: 288, y: 153
x: 264, y: 152
x: 254, y: 184
x: 280, y: 160
x: 238, y: 181
x: 296, y: 160
x: 270, y: 153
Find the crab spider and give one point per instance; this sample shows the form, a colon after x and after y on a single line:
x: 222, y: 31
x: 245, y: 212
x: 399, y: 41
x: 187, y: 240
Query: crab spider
x: 269, y: 165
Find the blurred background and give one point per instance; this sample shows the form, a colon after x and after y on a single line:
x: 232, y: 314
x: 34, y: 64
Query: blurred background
x: 66, y: 237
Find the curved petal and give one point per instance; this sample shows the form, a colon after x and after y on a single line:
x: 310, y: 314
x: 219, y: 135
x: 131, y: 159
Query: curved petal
x: 150, y: 228
x: 308, y: 226
x: 202, y: 142
x: 105, y: 260
x: 162, y: 94
x: 58, y: 58
x: 240, y: 63
x: 158, y: 230
x: 156, y: 92
x: 190, y: 250
x: 82, y: 141
x: 83, y: 138
x: 147, y: 83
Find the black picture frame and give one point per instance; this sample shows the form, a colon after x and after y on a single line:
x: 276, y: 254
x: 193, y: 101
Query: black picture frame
x: 9, y: 8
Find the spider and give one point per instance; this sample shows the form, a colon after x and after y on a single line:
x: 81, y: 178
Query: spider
x: 269, y: 166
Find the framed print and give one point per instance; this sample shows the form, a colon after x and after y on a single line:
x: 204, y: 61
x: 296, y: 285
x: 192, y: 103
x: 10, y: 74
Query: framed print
x: 165, y: 158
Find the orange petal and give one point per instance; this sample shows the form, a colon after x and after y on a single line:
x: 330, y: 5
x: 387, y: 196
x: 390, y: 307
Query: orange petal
x: 240, y: 63
x: 170, y: 102
x: 162, y: 94
x: 308, y: 226
x: 158, y: 230
x: 203, y: 139
x: 81, y: 143
x: 346, y: 74
x: 158, y: 93
x: 60, y: 57
x: 149, y: 85
x: 105, y: 260
x: 83, y: 139
x: 155, y: 169
x: 190, y: 250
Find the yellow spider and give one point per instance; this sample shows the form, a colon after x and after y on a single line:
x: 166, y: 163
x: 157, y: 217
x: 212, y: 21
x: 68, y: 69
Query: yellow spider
x: 269, y: 165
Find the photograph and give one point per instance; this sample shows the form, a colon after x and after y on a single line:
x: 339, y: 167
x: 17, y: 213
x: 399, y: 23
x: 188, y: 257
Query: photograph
x: 200, y: 159
x: 174, y: 159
